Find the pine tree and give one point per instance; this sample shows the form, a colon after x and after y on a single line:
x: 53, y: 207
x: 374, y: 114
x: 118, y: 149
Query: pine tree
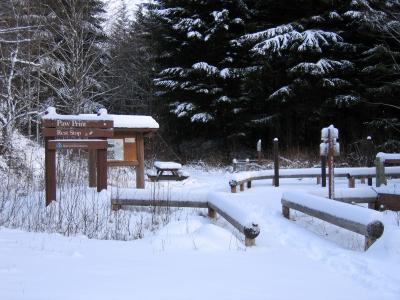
x: 305, y: 66
x: 372, y: 28
x: 131, y: 65
x: 199, y: 65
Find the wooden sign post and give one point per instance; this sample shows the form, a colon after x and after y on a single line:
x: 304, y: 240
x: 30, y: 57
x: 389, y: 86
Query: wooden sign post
x: 73, y: 132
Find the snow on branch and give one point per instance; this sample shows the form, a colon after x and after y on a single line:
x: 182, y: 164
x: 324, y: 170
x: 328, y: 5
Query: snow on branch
x: 283, y: 93
x: 309, y: 40
x: 182, y: 109
x: 176, y: 71
x: 322, y: 67
x: 202, y: 117
x: 313, y: 39
x: 267, y: 34
x: 203, y: 66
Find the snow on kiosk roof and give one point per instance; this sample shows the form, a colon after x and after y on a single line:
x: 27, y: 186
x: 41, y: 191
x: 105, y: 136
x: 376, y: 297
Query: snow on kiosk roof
x: 120, y: 121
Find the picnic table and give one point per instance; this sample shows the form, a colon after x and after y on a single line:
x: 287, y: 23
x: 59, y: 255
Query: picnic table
x: 172, y: 169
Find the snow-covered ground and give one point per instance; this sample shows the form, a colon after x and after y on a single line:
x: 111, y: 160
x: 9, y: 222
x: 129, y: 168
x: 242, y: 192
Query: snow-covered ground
x: 195, y: 258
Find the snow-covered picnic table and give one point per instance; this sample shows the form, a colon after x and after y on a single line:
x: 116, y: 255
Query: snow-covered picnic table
x: 173, y: 168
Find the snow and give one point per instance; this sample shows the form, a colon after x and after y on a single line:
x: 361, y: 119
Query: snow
x: 167, y: 165
x: 368, y: 192
x: 135, y: 121
x: 313, y: 172
x: 341, y: 210
x: 388, y: 156
x: 120, y: 121
x: 195, y: 258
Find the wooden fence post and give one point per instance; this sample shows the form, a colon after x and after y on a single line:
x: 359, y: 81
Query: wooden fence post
x: 259, y: 151
x: 370, y: 156
x: 276, y: 162
x: 323, y: 170
x: 380, y: 172
x: 92, y: 168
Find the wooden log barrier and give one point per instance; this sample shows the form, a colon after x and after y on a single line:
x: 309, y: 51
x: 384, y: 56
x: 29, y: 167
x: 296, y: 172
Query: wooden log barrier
x: 336, y: 213
x: 219, y: 206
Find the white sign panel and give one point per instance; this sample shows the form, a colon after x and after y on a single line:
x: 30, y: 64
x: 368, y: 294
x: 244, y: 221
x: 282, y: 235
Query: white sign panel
x: 115, y: 149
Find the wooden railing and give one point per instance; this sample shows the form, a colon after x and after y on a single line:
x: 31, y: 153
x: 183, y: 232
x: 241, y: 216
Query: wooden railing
x: 354, y: 218
x: 215, y: 202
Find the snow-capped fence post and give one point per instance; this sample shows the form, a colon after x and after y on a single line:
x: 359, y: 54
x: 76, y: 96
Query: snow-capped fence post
x: 259, y: 155
x: 234, y: 164
x: 330, y: 147
x: 276, y: 161
x: 380, y: 172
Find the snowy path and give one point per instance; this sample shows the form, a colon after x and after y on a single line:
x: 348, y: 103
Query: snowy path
x: 193, y: 258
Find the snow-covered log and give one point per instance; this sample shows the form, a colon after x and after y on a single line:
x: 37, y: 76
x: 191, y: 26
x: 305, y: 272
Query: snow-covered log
x: 215, y: 202
x: 354, y: 218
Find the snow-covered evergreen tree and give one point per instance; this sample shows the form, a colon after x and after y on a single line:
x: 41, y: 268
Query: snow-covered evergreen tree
x: 199, y: 65
x: 372, y: 27
x: 305, y: 63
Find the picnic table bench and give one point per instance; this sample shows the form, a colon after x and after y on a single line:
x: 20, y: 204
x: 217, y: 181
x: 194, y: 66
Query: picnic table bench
x: 173, y: 170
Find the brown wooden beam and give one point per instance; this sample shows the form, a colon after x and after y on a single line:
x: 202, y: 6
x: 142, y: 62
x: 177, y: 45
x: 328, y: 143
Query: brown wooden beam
x: 50, y: 174
x: 101, y: 169
x: 140, y: 157
x: 92, y: 168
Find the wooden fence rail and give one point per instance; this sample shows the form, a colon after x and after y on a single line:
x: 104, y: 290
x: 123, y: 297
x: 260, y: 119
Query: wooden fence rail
x: 350, y: 217
x: 214, y: 202
x: 240, y: 179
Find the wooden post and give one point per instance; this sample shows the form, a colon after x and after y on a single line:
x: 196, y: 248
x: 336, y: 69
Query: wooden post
x: 352, y: 182
x: 380, y: 172
x: 233, y: 188
x: 234, y: 164
x: 140, y: 157
x: 276, y: 162
x: 318, y: 180
x: 330, y: 165
x: 249, y: 184
x: 242, y: 187
x: 101, y: 169
x: 323, y: 170
x: 370, y: 156
x: 286, y: 212
x: 368, y: 242
x: 116, y: 207
x: 50, y: 176
x: 92, y: 168
x: 248, y: 242
x: 212, y: 214
x: 259, y: 151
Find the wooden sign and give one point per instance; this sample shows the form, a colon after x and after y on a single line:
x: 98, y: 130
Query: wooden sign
x: 77, y: 144
x: 77, y: 123
x: 77, y: 132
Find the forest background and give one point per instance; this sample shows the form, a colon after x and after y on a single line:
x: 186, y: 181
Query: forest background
x: 216, y: 74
